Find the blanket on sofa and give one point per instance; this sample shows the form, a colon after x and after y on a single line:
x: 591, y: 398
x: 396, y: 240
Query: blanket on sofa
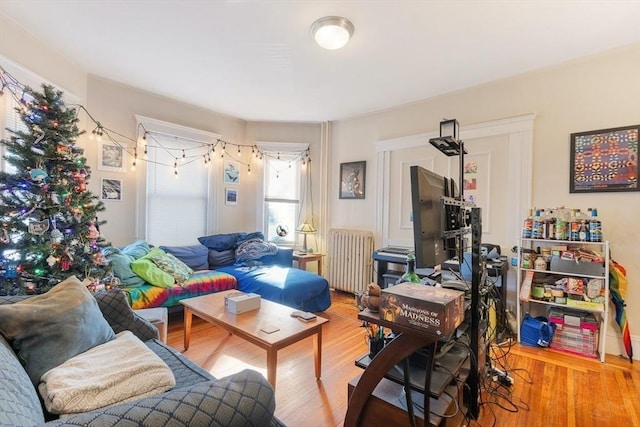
x: 118, y: 371
x: 200, y: 283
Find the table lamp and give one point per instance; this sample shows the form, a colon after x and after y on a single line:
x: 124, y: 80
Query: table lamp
x: 306, y: 229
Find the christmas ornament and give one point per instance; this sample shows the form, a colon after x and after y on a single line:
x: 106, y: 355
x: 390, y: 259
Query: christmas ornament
x: 51, y: 260
x: 99, y: 259
x: 65, y: 264
x: 93, y: 231
x: 40, y: 138
x: 63, y: 150
x: 4, y: 236
x: 56, y: 235
x: 38, y: 175
x: 77, y: 213
x: 39, y: 227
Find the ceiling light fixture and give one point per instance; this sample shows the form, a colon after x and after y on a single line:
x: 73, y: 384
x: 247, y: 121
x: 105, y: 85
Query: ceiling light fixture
x: 332, y: 32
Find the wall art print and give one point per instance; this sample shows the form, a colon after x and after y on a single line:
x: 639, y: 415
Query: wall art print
x: 352, y: 180
x: 111, y: 157
x: 231, y: 172
x: 231, y: 197
x: 604, y: 160
x: 111, y: 189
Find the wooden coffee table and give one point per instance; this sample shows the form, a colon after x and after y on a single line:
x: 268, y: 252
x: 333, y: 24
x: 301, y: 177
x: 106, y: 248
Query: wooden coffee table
x: 248, y: 326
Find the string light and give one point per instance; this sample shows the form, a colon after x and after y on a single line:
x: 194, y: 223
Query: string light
x: 19, y: 92
x: 135, y: 156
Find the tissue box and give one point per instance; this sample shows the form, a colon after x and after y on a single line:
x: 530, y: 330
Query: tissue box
x: 237, y: 303
x: 427, y: 308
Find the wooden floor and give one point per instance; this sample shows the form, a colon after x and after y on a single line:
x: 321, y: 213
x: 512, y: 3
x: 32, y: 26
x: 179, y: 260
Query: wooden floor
x: 550, y: 388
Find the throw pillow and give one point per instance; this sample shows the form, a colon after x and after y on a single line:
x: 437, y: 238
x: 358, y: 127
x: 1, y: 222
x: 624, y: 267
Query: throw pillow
x: 220, y: 242
x: 194, y: 256
x: 254, y: 249
x: 150, y: 272
x: 221, y: 258
x: 48, y: 329
x: 136, y: 249
x: 121, y: 264
x: 172, y: 265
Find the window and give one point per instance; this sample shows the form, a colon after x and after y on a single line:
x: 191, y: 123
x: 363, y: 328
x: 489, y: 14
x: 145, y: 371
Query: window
x: 177, y: 205
x: 282, y: 178
x: 281, y: 201
x: 9, y: 119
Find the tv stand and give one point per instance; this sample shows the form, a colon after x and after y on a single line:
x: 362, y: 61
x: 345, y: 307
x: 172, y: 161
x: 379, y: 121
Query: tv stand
x: 411, y: 340
x: 406, y: 343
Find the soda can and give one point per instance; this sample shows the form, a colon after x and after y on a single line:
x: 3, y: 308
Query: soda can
x: 595, y: 231
x: 527, y: 228
x: 538, y: 229
x: 561, y: 230
x: 574, y: 234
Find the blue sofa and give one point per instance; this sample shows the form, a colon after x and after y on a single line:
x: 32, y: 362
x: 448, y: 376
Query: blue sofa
x: 218, y: 268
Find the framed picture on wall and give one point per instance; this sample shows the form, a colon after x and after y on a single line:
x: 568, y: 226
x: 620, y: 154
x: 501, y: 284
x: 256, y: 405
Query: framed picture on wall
x: 231, y: 197
x: 604, y: 160
x: 111, y: 157
x: 231, y: 172
x: 352, y: 180
x: 111, y: 189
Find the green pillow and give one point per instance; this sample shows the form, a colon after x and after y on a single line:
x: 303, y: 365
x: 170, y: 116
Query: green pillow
x: 151, y: 273
x: 46, y: 330
x: 172, y: 265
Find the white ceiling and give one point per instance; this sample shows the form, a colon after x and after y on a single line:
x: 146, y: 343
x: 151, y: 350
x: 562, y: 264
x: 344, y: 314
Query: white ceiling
x: 256, y: 60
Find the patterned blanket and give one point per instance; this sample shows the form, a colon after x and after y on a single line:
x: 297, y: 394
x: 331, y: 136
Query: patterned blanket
x: 200, y: 283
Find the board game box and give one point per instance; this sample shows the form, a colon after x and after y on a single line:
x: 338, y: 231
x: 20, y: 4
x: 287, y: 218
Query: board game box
x: 427, y: 308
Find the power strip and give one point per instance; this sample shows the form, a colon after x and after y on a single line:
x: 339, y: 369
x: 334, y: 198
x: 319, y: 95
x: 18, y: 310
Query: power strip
x: 499, y: 376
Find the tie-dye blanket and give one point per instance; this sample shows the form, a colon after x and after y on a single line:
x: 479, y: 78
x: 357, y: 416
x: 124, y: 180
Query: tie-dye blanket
x: 200, y: 283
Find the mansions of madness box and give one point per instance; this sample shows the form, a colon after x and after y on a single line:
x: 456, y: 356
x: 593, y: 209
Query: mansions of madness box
x: 426, y: 308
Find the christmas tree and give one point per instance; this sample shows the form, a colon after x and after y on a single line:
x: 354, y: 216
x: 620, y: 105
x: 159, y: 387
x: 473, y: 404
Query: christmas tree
x: 48, y: 224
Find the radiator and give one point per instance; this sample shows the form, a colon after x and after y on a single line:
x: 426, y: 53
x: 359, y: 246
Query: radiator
x: 350, y: 266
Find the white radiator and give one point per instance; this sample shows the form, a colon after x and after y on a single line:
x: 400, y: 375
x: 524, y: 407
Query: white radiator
x: 350, y: 265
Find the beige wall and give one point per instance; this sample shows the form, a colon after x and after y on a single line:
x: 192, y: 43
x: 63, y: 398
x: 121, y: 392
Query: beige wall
x: 115, y: 106
x: 23, y: 49
x: 588, y: 94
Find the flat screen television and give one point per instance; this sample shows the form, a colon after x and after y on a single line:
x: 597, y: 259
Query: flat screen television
x: 427, y: 190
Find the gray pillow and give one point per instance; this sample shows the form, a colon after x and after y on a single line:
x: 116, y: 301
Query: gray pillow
x: 221, y: 258
x: 48, y: 329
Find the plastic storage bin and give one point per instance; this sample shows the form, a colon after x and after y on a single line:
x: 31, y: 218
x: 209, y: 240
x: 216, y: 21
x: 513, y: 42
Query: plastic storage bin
x: 576, y: 332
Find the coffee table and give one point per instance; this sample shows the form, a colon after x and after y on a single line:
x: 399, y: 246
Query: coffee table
x: 248, y: 326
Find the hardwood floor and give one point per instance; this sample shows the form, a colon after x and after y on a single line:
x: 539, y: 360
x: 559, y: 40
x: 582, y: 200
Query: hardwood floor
x: 550, y: 388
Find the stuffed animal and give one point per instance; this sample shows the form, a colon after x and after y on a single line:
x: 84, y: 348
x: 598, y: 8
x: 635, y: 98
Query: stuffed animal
x: 371, y: 299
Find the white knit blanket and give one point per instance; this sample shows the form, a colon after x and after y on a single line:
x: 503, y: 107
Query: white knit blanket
x: 121, y: 370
